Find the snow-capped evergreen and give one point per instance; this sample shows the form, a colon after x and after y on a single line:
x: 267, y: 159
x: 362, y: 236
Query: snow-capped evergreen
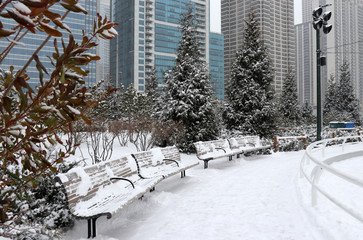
x: 288, y: 107
x: 151, y: 84
x: 307, y: 113
x: 341, y: 104
x: 250, y: 106
x: 348, y: 102
x: 188, y: 97
x: 330, y: 102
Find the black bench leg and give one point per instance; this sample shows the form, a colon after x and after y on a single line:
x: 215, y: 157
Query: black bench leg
x: 205, y: 164
x: 152, y: 189
x: 230, y: 158
x: 183, y: 174
x: 238, y: 155
x: 89, y: 228
x: 92, y: 227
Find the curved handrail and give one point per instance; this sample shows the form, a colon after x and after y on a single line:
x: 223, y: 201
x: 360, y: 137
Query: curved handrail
x: 322, y: 163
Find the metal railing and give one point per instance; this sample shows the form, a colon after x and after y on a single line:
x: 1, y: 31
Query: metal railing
x: 317, y: 152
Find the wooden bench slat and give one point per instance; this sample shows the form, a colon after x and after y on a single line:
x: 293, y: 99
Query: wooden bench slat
x: 91, y: 193
x: 211, y: 150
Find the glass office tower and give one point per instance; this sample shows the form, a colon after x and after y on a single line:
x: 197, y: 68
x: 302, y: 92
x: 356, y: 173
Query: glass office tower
x: 149, y: 35
x: 103, y: 48
x: 216, y: 63
x: 21, y: 53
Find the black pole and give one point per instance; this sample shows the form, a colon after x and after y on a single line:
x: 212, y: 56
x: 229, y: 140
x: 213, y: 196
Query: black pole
x: 318, y: 87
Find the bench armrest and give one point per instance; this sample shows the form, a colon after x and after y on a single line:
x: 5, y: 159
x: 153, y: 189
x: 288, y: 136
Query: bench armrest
x: 125, y: 179
x: 171, y: 160
x: 221, y: 149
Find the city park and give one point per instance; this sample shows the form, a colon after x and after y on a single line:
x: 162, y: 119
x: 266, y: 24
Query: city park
x: 71, y: 154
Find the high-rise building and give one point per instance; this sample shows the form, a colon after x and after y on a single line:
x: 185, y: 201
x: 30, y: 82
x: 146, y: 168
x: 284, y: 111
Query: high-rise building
x: 103, y: 49
x: 304, y: 65
x: 216, y: 63
x: 343, y: 43
x: 149, y: 36
x: 276, y: 19
x: 20, y: 54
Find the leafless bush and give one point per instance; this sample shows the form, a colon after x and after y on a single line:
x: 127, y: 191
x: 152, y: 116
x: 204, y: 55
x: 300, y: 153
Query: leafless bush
x: 140, y: 133
x: 99, y: 142
x: 120, y: 130
x: 168, y: 133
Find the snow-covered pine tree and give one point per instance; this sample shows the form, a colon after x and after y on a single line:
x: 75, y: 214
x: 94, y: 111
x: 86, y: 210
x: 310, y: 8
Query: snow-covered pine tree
x: 288, y: 106
x: 330, y: 102
x: 307, y: 113
x: 151, y: 88
x: 341, y: 104
x: 134, y: 105
x: 348, y: 103
x: 151, y: 84
x: 250, y: 106
x: 188, y: 97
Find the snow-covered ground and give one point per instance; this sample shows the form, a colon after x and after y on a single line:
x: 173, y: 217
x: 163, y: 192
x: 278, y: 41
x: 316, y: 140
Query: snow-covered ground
x: 251, y: 198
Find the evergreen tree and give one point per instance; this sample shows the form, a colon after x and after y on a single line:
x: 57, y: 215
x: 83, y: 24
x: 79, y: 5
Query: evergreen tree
x: 250, y: 106
x: 331, y: 101
x: 151, y: 85
x: 348, y: 103
x: 307, y: 113
x: 134, y: 105
x: 288, y: 107
x: 151, y: 89
x: 341, y: 103
x: 188, y: 97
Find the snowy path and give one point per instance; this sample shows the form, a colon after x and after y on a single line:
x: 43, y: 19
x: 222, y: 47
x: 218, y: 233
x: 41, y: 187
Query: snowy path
x: 252, y: 199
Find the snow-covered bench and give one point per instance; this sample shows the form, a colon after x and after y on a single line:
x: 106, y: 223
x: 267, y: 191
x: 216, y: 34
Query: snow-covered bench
x: 163, y: 162
x: 104, y: 189
x: 211, y: 150
x: 247, y: 144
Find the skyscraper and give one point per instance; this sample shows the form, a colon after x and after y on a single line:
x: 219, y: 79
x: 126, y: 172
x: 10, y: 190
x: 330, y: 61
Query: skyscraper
x: 304, y: 65
x: 343, y: 43
x: 149, y: 36
x: 103, y: 49
x: 216, y: 63
x: 19, y: 55
x: 276, y: 19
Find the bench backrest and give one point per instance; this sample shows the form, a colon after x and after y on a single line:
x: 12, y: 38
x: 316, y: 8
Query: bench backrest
x: 122, y: 167
x: 155, y: 158
x: 210, y: 146
x: 171, y: 153
x: 82, y: 183
x: 247, y: 141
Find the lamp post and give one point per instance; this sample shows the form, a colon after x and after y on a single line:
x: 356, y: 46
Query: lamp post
x: 320, y: 20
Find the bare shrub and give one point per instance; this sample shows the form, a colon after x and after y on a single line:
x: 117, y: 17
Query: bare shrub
x: 99, y: 142
x: 140, y: 133
x: 120, y: 130
x: 168, y: 133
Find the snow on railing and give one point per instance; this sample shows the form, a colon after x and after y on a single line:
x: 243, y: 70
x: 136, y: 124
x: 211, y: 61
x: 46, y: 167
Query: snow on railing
x: 320, y: 154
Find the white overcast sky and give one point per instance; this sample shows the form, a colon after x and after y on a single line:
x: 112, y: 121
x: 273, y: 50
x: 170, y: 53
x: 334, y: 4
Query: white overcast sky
x: 215, y: 10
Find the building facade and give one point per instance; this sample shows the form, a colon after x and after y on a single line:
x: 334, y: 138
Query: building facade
x: 216, y: 63
x: 304, y: 39
x: 20, y: 54
x: 276, y: 19
x: 149, y: 36
x: 343, y: 43
x: 103, y: 48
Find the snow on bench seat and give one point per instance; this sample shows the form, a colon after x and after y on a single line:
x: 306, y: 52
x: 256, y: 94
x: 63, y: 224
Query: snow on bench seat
x: 163, y: 162
x: 247, y: 144
x: 210, y: 150
x: 104, y: 189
